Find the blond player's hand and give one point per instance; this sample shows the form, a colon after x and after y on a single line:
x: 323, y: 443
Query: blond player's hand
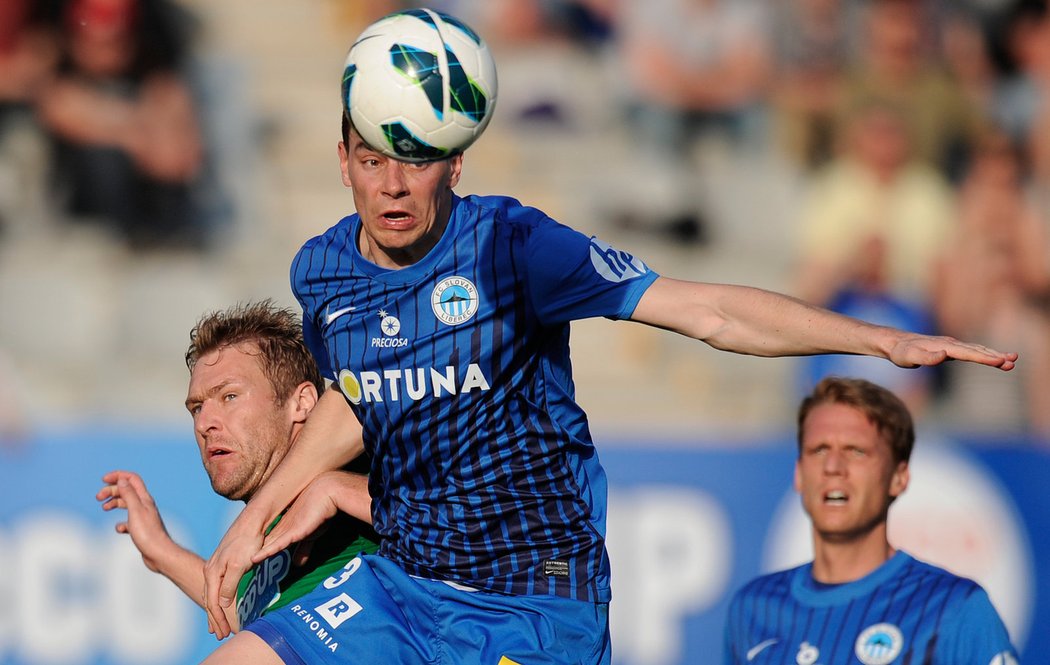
x: 126, y: 490
x: 223, y: 571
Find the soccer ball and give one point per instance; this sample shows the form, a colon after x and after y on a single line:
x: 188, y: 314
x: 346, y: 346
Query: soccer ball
x: 419, y: 85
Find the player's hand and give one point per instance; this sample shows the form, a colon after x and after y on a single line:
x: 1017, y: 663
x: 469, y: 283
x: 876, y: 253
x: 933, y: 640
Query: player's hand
x: 126, y: 490
x: 311, y: 509
x: 231, y: 559
x: 922, y: 350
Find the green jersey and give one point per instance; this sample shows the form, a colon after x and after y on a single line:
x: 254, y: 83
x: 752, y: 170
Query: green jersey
x: 275, y: 582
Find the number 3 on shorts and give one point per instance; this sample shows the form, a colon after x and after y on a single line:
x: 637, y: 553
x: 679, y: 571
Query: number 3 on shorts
x: 343, y: 575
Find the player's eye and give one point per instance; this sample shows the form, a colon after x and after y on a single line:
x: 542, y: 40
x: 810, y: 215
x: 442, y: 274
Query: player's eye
x: 194, y: 409
x: 229, y: 397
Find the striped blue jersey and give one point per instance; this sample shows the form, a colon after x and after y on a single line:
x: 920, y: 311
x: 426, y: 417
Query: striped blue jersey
x: 483, y: 471
x: 906, y: 612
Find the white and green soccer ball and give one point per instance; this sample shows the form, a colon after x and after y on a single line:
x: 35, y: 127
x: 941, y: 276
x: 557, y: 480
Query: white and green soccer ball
x: 419, y: 85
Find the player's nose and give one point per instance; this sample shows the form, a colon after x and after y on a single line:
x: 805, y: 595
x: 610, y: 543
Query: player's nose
x: 394, y: 181
x: 207, y: 418
x: 834, y: 463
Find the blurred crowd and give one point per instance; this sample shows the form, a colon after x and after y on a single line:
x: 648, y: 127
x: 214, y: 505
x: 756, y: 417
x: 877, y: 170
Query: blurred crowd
x: 95, y: 94
x: 920, y: 130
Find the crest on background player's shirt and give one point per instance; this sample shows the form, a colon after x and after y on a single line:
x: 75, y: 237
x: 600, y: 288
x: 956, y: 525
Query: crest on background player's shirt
x: 455, y: 300
x: 879, y: 644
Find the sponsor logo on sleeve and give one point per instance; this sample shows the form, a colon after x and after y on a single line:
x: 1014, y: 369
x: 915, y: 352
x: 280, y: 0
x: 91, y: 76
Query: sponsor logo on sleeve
x: 615, y: 265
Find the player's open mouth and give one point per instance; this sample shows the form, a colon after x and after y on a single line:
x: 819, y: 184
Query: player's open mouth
x: 218, y: 452
x: 835, y: 498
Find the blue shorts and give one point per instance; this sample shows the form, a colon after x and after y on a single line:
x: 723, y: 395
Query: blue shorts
x: 372, y: 611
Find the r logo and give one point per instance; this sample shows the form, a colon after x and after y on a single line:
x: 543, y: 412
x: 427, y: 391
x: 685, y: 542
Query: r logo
x: 338, y: 609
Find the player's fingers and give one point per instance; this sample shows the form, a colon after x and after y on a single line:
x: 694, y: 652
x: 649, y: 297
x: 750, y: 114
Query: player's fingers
x: 274, y: 542
x: 114, y: 503
x: 212, y: 581
x: 122, y: 527
x: 227, y: 591
x: 129, y: 494
x: 136, y: 482
x: 302, y: 552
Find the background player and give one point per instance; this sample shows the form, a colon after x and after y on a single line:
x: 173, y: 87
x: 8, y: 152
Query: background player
x: 860, y: 599
x: 252, y: 385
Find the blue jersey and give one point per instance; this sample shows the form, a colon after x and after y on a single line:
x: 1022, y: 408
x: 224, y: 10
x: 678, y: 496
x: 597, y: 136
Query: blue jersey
x: 904, y: 612
x: 458, y: 368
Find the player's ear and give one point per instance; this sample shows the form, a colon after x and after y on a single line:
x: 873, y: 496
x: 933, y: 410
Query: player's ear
x: 303, y: 400
x: 455, y: 164
x: 344, y: 163
x: 899, y: 481
x: 798, y: 479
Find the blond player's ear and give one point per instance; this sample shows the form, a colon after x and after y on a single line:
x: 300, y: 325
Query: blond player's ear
x: 302, y: 401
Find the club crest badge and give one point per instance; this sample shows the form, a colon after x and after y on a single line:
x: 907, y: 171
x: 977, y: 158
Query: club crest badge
x: 455, y: 300
x: 879, y: 644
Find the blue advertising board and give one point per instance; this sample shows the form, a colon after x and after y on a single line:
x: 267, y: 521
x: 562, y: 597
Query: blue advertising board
x: 689, y: 522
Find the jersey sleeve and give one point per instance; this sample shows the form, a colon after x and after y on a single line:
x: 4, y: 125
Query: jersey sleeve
x: 977, y: 635
x: 315, y: 344
x: 572, y: 276
x: 311, y: 331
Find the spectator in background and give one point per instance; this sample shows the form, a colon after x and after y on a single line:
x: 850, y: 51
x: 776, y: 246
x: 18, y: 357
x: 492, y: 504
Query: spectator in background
x: 28, y: 55
x: 967, y: 54
x: 992, y: 284
x: 690, y: 67
x: 127, y: 143
x: 870, y: 229
x: 896, y: 63
x: 812, y: 53
x: 1023, y: 99
x: 28, y: 52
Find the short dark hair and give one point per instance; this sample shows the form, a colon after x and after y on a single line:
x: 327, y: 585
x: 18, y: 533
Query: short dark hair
x: 884, y: 409
x: 276, y: 331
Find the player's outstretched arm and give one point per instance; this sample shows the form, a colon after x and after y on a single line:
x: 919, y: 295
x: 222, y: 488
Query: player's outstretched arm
x: 756, y: 322
x: 330, y: 439
x: 327, y: 494
x: 125, y: 490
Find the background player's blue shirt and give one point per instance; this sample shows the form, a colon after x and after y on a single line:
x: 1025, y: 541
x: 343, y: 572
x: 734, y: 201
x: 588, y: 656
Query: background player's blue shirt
x: 458, y: 368
x: 906, y: 611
